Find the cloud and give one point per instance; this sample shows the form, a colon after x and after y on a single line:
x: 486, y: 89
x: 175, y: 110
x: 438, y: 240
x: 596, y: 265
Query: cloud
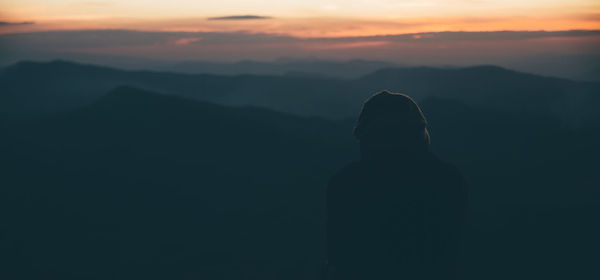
x: 450, y: 36
x: 344, y: 45
x: 417, y: 48
x: 6, y: 23
x: 187, y: 41
x: 240, y: 17
x: 92, y: 4
x: 98, y: 39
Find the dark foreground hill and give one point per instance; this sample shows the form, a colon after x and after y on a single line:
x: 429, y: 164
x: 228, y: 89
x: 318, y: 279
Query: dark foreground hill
x: 146, y: 186
x: 143, y: 185
x: 34, y: 88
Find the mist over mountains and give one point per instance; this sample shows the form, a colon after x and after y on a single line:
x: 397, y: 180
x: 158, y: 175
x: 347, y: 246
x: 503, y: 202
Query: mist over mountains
x: 285, y: 66
x: 571, y: 54
x: 61, y: 85
x: 139, y: 174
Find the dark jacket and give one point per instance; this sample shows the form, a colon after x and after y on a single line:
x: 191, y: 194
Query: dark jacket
x: 399, y: 215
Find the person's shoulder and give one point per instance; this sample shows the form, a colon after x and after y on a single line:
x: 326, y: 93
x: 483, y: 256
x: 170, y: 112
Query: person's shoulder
x: 447, y: 171
x: 345, y: 174
x: 440, y: 165
x: 452, y: 188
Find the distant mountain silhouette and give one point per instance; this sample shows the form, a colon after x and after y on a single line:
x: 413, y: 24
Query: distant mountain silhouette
x: 63, y: 85
x: 319, y: 68
x: 497, y: 88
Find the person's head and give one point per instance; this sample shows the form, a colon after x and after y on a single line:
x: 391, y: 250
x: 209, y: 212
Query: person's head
x: 392, y: 121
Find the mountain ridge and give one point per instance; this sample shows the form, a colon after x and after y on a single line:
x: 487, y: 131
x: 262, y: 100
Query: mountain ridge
x: 62, y: 85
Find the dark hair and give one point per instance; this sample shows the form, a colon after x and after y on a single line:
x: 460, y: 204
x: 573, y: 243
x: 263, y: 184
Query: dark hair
x: 390, y: 110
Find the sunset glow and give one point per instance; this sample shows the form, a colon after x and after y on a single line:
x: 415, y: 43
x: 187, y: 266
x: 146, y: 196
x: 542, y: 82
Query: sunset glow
x: 308, y: 18
x: 552, y: 37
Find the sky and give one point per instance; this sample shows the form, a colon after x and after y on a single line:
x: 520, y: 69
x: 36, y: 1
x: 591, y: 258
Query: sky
x: 533, y: 35
x: 306, y: 18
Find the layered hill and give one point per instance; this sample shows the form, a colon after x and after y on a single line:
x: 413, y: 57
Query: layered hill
x: 34, y: 88
x: 179, y: 187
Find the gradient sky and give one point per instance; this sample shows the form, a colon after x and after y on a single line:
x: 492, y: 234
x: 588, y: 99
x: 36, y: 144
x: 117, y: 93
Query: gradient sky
x: 401, y: 31
x: 306, y: 18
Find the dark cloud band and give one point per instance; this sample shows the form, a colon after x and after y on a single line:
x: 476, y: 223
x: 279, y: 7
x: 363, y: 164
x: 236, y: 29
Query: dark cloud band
x: 6, y: 23
x: 242, y: 17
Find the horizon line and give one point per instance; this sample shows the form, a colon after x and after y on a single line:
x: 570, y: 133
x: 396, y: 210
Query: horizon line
x: 298, y: 37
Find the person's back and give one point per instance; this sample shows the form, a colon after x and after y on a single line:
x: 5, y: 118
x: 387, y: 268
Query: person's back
x: 398, y: 212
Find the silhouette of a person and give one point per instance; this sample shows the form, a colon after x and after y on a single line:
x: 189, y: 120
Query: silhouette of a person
x: 398, y: 212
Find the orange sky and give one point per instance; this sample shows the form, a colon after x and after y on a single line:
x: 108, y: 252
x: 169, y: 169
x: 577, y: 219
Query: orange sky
x: 264, y: 30
x: 308, y: 18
